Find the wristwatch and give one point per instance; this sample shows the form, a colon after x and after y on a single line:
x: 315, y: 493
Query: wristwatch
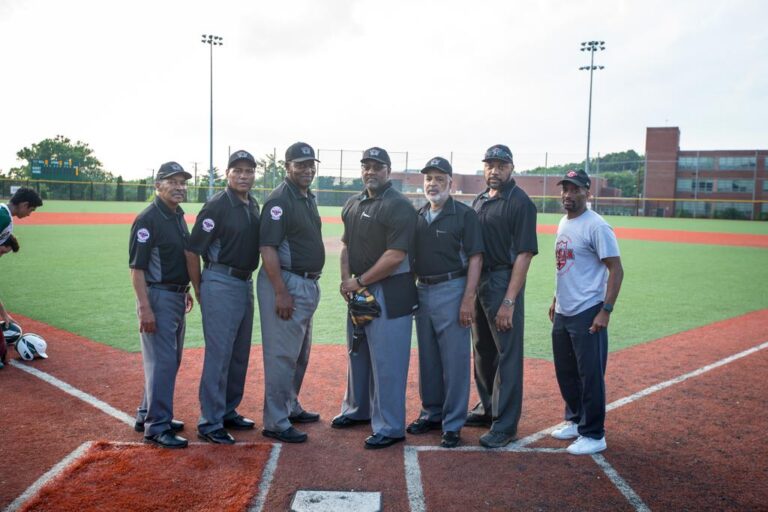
x: 608, y: 307
x: 359, y: 282
x: 510, y: 303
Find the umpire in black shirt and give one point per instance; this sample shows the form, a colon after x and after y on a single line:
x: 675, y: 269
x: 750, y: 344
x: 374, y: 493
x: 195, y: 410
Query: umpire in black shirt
x: 161, y: 283
x: 508, y: 219
x: 226, y: 235
x: 449, y: 257
x: 377, y: 253
x: 293, y: 257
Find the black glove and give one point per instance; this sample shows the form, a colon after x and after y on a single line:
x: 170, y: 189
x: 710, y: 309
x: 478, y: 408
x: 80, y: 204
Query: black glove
x: 363, y: 308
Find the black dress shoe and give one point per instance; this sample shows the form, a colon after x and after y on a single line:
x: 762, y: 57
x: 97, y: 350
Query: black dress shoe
x: 378, y: 441
x: 304, y: 417
x: 422, y: 426
x: 344, y: 422
x: 176, y: 426
x: 166, y: 439
x: 240, y: 423
x: 450, y: 439
x: 289, y: 435
x: 478, y: 420
x: 219, y: 436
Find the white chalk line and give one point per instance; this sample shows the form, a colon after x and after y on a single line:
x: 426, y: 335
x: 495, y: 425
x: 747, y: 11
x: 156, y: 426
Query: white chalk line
x: 104, y: 407
x: 48, y: 476
x: 413, y: 474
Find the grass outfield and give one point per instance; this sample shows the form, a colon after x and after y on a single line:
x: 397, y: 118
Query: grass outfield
x: 76, y: 278
x: 698, y: 225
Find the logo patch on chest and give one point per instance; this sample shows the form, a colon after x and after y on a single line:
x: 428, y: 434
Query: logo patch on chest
x: 563, y: 254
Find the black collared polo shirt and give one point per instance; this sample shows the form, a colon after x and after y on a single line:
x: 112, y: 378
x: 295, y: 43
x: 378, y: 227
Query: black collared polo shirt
x: 227, y: 231
x: 373, y: 225
x: 509, y: 224
x: 446, y: 244
x: 291, y: 223
x: 158, y: 239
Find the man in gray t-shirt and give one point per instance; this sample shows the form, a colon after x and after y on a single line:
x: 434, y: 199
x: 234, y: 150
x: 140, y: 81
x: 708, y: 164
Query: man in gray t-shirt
x: 588, y: 279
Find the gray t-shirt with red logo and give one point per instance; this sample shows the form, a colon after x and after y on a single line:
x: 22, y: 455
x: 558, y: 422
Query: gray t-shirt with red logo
x: 581, y: 245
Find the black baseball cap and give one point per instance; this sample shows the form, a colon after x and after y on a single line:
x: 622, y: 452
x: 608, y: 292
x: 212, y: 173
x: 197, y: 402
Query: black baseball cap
x: 300, y: 152
x: 438, y: 163
x: 498, y: 152
x: 377, y: 154
x: 169, y: 169
x: 578, y: 177
x: 241, y: 155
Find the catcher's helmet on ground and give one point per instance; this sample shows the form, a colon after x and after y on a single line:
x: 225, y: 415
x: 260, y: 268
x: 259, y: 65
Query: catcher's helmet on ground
x: 31, y: 345
x: 12, y: 332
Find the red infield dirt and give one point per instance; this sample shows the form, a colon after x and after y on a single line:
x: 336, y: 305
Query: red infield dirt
x: 656, y: 235
x: 123, y: 477
x: 696, y: 445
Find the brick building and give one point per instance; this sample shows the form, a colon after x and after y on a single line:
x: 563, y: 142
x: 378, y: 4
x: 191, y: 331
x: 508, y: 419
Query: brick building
x: 695, y: 183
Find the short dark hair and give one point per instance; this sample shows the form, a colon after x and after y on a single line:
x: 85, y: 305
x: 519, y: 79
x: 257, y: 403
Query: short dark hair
x: 27, y: 195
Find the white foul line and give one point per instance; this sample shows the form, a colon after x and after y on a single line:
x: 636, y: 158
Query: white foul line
x: 620, y: 484
x: 49, y: 475
x: 413, y: 471
x: 71, y: 390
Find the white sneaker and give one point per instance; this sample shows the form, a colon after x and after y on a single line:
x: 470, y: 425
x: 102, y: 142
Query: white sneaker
x: 587, y: 446
x: 569, y: 431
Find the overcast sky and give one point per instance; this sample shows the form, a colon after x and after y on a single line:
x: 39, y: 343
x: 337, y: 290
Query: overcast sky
x: 426, y: 77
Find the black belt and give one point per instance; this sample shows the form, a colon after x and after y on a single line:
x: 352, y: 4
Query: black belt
x: 243, y: 275
x: 178, y: 288
x: 441, y: 278
x: 493, y: 268
x: 306, y: 275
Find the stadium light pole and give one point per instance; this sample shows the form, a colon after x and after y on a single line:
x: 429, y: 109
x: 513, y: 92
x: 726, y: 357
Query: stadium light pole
x: 211, y: 41
x: 591, y: 47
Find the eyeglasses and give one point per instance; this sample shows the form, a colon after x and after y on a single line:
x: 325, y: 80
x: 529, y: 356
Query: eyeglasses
x: 243, y: 170
x: 373, y: 166
x: 177, y: 183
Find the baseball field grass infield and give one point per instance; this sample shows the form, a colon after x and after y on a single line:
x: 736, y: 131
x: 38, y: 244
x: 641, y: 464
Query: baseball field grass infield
x: 76, y: 278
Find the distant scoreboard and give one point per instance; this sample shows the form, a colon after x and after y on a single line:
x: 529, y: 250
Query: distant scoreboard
x: 61, y: 170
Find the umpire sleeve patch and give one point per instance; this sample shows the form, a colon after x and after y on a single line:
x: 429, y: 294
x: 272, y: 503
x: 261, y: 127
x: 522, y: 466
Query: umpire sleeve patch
x: 276, y: 212
x: 208, y: 225
x: 142, y: 235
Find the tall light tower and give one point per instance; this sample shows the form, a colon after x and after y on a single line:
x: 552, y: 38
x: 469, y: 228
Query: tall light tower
x: 591, y: 47
x: 212, y: 41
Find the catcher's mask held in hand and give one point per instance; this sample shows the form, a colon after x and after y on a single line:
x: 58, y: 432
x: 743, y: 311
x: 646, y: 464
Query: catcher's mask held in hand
x: 363, y: 307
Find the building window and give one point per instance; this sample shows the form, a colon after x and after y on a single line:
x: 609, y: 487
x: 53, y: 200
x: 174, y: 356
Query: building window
x: 693, y: 163
x: 705, y: 185
x: 733, y: 210
x: 691, y: 208
x: 737, y: 163
x: 765, y: 185
x: 684, y: 185
x: 735, y: 185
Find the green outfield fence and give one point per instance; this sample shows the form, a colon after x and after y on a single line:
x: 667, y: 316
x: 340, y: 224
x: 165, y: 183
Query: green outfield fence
x: 651, y: 207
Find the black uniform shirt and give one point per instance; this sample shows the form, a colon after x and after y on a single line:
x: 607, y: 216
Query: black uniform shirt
x: 372, y: 225
x: 158, y: 239
x: 292, y: 224
x: 227, y: 231
x: 446, y: 244
x: 509, y: 224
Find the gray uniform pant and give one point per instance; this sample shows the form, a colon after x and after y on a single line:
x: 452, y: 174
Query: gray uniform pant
x: 285, y: 345
x: 377, y: 374
x: 444, y: 354
x: 161, y: 354
x: 498, y: 355
x: 227, y: 308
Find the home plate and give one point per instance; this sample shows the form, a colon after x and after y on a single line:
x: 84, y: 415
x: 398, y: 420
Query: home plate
x: 335, y: 501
